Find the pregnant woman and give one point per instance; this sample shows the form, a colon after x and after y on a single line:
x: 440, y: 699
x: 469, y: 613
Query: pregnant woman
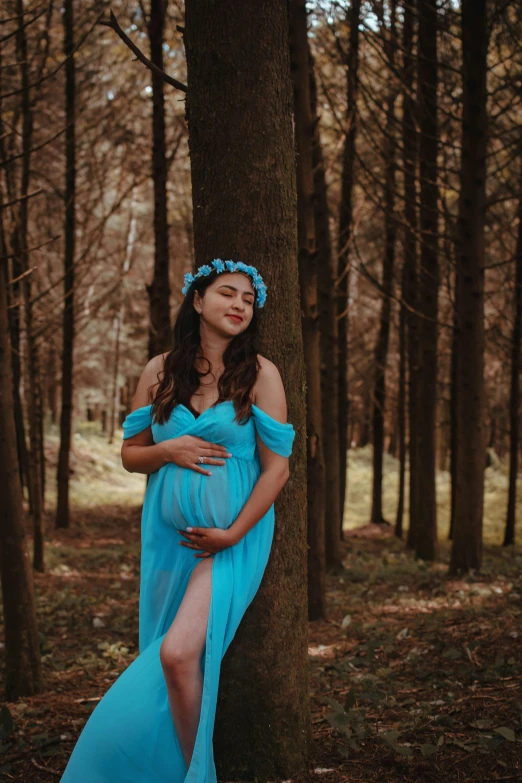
x: 209, y: 426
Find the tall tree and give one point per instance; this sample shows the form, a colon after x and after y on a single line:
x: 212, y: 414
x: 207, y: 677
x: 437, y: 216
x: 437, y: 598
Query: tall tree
x: 244, y: 137
x: 466, y: 551
x: 62, y: 511
x: 408, y: 314
x: 344, y: 241
x: 22, y: 659
x: 159, y: 289
x: 426, y: 511
x: 390, y: 237
x: 329, y: 342
x: 307, y: 257
x: 514, y: 399
x: 32, y: 385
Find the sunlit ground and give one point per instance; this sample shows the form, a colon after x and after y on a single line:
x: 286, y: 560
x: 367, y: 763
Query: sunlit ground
x: 98, y: 478
x: 358, y: 501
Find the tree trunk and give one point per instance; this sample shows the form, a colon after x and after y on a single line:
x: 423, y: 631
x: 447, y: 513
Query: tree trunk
x: 160, y: 336
x: 426, y: 512
x: 329, y: 343
x: 390, y: 233
x: 120, y: 315
x: 401, y: 412
x: 345, y: 244
x: 409, y: 276
x: 22, y: 653
x: 509, y: 535
x: 32, y: 385
x: 14, y: 293
x: 304, y: 141
x: 62, y: 512
x: 466, y: 552
x: 242, y: 158
x: 453, y: 411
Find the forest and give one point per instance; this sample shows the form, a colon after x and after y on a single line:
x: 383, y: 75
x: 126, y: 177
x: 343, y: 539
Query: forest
x: 366, y: 157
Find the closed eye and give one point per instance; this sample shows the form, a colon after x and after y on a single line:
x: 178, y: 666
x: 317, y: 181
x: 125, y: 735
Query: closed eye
x: 247, y: 301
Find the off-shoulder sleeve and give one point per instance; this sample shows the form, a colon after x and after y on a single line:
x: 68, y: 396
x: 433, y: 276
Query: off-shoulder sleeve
x: 277, y: 436
x: 137, y: 421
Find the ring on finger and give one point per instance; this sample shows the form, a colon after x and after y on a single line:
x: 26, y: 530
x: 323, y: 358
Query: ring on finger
x: 201, y: 460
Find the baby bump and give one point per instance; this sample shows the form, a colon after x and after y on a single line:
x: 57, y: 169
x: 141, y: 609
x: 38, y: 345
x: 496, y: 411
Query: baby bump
x: 192, y: 498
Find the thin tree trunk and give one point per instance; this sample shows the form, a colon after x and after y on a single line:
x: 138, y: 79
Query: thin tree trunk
x: 390, y: 234
x: 329, y: 342
x: 426, y: 512
x: 22, y: 653
x: 265, y: 671
x: 454, y: 444
x: 514, y: 401
x: 14, y: 295
x: 304, y: 141
x: 120, y: 316
x: 345, y: 244
x: 32, y: 386
x: 62, y: 511
x: 409, y: 277
x: 401, y: 413
x: 466, y: 551
x: 160, y: 334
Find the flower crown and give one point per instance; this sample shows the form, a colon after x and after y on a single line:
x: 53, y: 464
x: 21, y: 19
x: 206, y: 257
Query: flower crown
x: 229, y: 266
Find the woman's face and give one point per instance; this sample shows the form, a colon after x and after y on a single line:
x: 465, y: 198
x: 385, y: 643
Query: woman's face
x: 228, y: 303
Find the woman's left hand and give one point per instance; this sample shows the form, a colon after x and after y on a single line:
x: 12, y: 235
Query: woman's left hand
x: 209, y: 539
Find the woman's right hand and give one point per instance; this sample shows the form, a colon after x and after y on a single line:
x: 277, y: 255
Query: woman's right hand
x: 185, y: 450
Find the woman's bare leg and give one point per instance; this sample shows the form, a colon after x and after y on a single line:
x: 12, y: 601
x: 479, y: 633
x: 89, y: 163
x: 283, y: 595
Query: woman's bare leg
x: 180, y: 655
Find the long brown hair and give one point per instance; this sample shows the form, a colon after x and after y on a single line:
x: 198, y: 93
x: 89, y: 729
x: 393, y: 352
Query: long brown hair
x: 181, y: 378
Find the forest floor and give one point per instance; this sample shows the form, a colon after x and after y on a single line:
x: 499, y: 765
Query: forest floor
x: 414, y: 675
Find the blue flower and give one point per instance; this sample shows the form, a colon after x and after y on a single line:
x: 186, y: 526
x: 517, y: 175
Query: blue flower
x: 230, y: 266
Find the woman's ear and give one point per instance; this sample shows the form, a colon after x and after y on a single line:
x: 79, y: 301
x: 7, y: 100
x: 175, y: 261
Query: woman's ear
x: 197, y: 302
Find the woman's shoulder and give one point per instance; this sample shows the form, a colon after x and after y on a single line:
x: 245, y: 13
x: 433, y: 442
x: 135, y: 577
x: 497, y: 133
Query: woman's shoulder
x: 268, y: 382
x: 149, y: 381
x: 267, y: 367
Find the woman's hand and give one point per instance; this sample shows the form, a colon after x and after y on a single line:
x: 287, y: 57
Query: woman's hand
x: 210, y: 539
x: 185, y: 450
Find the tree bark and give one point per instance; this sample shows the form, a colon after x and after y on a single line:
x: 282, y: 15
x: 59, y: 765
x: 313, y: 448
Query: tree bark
x: 390, y: 235
x: 120, y: 316
x: 304, y: 142
x: 22, y: 653
x: 453, y: 411
x: 32, y: 364
x: 329, y: 343
x: 160, y: 336
x: 62, y: 512
x: 466, y: 551
x: 345, y: 245
x: 14, y: 293
x: 514, y: 400
x: 243, y: 170
x: 409, y: 271
x: 426, y: 512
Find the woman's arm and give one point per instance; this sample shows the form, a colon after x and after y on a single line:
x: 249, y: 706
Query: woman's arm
x: 270, y: 397
x: 140, y: 454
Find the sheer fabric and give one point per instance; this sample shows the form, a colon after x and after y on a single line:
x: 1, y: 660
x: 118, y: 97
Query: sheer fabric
x: 130, y: 737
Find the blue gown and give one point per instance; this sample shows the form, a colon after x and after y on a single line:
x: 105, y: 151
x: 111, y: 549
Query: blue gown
x: 130, y: 737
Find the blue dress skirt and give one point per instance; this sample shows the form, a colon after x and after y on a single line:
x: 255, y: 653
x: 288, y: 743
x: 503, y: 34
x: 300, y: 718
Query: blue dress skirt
x: 130, y: 737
